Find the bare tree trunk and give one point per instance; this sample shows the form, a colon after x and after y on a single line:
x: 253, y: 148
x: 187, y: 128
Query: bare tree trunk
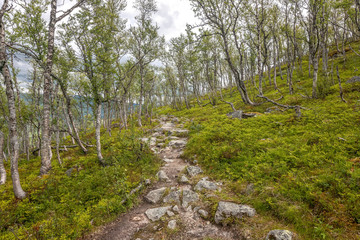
x: 13, y: 135
x: 2, y: 167
x: 97, y: 131
x: 315, y: 76
x: 46, y: 137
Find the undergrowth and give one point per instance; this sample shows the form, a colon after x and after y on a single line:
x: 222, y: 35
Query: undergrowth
x: 59, y: 206
x: 305, y: 171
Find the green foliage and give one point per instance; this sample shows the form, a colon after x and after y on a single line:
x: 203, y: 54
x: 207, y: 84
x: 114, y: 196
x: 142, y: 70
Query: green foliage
x: 65, y: 207
x: 306, y: 172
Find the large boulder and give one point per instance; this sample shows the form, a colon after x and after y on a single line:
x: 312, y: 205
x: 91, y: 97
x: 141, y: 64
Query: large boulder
x: 188, y: 197
x: 229, y: 209
x: 194, y: 170
x: 279, y: 235
x: 155, y: 195
x: 154, y: 214
x: 204, y: 184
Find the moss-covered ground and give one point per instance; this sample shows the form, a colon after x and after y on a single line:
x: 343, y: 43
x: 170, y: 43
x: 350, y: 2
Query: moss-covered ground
x: 305, y: 171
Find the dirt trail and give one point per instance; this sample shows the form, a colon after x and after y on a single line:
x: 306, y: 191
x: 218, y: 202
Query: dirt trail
x: 178, y: 212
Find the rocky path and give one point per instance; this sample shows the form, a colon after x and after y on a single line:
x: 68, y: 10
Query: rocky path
x: 177, y: 205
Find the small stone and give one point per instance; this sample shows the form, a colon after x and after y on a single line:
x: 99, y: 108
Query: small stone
x: 147, y: 182
x: 229, y: 209
x: 203, y: 213
x: 193, y: 170
x: 279, y: 235
x: 170, y: 213
x: 184, y: 179
x: 189, y: 209
x: 177, y: 143
x: 69, y: 171
x: 204, y: 184
x: 175, y: 208
x: 172, y: 224
x: 162, y: 176
x: 137, y: 219
x: 195, y: 161
x: 155, y: 195
x: 155, y: 214
x: 188, y: 197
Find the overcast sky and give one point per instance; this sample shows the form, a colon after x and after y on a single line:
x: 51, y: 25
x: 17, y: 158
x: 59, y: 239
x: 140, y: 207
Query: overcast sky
x: 172, y: 17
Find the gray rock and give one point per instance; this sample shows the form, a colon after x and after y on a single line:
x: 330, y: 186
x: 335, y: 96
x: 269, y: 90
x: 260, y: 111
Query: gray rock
x: 173, y: 196
x: 203, y: 213
x: 184, y: 179
x: 170, y: 213
x: 279, y: 235
x: 154, y: 214
x: 204, y: 184
x: 69, y: 172
x: 162, y: 176
x: 195, y: 161
x: 354, y: 79
x: 151, y: 141
x: 155, y: 195
x: 249, y: 189
x: 236, y: 114
x: 175, y: 209
x: 180, y: 131
x: 193, y: 170
x: 177, y: 143
x: 229, y: 209
x: 172, y: 224
x: 147, y: 182
x: 188, y: 197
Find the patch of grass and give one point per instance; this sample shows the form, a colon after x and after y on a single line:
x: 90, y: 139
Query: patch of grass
x: 303, y: 170
x: 63, y: 207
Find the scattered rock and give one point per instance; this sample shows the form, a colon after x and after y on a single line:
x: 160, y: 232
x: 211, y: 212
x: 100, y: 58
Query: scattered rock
x: 203, y: 213
x: 236, y: 114
x: 170, y: 213
x: 354, y: 79
x: 249, y: 189
x: 204, y: 184
x: 193, y: 170
x: 195, y: 161
x: 172, y: 224
x: 155, y: 195
x: 173, y: 196
x: 188, y: 197
x: 177, y: 143
x: 69, y: 171
x: 229, y: 209
x: 184, y: 179
x: 279, y: 235
x: 175, y: 209
x: 162, y: 176
x: 173, y: 138
x: 155, y: 214
x: 147, y: 182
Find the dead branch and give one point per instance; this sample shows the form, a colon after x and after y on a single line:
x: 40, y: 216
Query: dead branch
x: 295, y: 107
x: 230, y: 103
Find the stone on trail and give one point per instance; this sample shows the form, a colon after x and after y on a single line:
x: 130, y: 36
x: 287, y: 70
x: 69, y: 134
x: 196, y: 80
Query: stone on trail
x: 172, y: 224
x: 154, y: 214
x: 173, y: 196
x: 175, y: 209
x: 204, y: 184
x: 184, y: 179
x: 170, y: 213
x: 203, y: 213
x: 154, y: 196
x: 177, y: 143
x: 279, y: 235
x: 147, y: 182
x: 193, y: 170
x: 188, y: 197
x: 162, y: 176
x: 229, y: 209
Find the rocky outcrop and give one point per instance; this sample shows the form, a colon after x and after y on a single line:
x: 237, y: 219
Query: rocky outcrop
x: 229, y: 209
x: 279, y: 235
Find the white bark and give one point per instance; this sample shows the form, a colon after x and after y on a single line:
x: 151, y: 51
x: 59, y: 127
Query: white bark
x: 2, y: 167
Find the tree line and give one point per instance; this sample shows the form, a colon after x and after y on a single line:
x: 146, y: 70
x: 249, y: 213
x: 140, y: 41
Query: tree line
x: 89, y: 69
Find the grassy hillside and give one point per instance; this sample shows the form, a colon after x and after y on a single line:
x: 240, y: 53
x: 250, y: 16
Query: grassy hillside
x: 64, y: 207
x: 305, y: 173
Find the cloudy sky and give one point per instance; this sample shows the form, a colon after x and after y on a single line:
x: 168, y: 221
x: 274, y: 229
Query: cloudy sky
x: 172, y: 17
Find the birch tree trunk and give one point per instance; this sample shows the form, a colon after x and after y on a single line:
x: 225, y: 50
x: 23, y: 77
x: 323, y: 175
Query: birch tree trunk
x: 2, y: 167
x: 97, y: 131
x: 13, y: 134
